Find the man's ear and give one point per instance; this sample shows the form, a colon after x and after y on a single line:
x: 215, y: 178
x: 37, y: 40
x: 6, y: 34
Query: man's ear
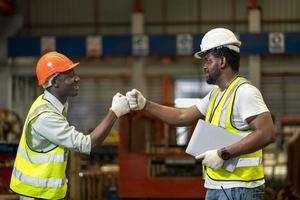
x: 55, y: 82
x: 223, y: 62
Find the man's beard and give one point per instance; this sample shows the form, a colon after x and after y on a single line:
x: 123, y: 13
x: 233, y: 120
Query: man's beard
x: 213, y: 76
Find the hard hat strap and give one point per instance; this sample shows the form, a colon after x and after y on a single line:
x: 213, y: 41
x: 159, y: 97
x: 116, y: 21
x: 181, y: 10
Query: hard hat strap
x: 48, y: 83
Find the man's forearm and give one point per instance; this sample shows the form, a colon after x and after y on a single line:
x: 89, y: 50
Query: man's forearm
x: 253, y: 142
x: 170, y: 115
x: 102, y: 130
x: 263, y: 134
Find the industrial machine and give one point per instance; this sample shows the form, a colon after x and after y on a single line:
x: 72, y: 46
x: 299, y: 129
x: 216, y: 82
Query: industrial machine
x: 152, y: 165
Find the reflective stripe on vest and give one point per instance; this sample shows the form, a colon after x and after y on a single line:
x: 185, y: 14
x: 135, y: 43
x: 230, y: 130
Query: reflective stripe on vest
x: 246, y: 162
x: 39, y: 174
x: 42, y: 182
x: 249, y: 167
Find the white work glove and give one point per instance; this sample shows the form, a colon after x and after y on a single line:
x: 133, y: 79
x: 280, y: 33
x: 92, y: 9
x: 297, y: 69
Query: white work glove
x: 120, y: 105
x: 211, y: 159
x: 136, y: 100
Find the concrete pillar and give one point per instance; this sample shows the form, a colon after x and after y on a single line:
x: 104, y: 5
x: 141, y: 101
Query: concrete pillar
x: 138, y: 66
x: 138, y: 75
x: 137, y: 23
x: 9, y: 26
x: 5, y: 87
x: 254, y: 18
x: 254, y: 70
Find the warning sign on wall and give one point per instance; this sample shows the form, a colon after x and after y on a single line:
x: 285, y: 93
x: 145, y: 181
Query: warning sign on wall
x: 48, y: 43
x: 276, y: 42
x: 140, y: 45
x: 94, y: 46
x: 184, y: 44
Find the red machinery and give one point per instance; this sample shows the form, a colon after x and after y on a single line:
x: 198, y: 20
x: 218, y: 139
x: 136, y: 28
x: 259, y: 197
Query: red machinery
x: 290, y: 125
x: 152, y: 165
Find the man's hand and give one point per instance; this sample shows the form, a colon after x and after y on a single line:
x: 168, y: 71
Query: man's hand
x: 120, y: 105
x: 136, y: 100
x: 211, y: 159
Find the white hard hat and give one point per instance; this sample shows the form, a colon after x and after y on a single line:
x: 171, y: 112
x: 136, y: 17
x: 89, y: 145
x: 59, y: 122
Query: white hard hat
x: 218, y: 37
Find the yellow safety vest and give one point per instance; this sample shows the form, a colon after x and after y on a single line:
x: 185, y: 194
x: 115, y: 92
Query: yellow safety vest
x: 39, y: 174
x: 249, y: 171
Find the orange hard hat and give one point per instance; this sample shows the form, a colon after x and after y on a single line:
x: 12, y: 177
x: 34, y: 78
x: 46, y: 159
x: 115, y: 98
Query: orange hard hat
x: 51, y: 63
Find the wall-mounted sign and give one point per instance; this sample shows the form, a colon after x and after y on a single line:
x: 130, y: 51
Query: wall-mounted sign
x: 140, y: 45
x: 48, y: 43
x: 276, y: 43
x: 184, y: 44
x: 94, y: 46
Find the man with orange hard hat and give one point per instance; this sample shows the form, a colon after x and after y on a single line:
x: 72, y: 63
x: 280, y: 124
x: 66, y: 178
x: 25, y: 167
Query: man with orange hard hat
x: 40, y: 164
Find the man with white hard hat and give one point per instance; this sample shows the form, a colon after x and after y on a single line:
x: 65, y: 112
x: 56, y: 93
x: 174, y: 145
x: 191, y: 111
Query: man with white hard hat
x: 47, y: 137
x: 235, y: 105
